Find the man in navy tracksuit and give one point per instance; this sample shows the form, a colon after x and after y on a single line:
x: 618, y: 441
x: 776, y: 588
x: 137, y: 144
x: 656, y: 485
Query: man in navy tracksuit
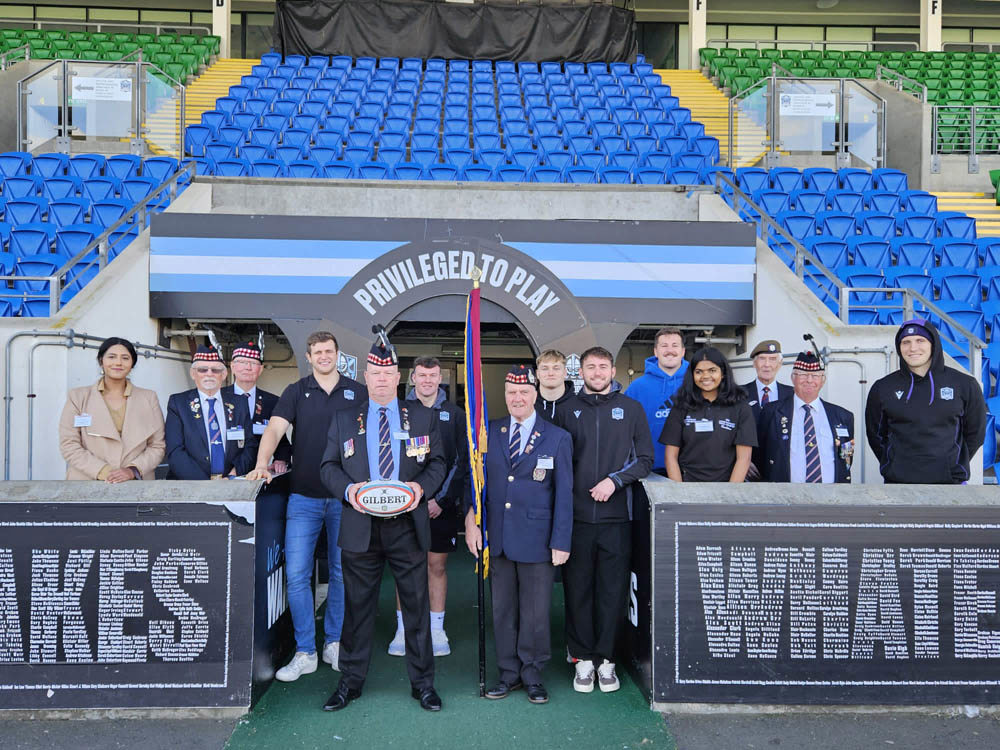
x: 612, y: 449
x: 656, y: 388
x: 924, y: 421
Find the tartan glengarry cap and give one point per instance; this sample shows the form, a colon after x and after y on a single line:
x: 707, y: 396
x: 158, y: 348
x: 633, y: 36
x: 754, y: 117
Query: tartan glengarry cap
x: 766, y: 347
x: 520, y: 375
x: 250, y: 350
x: 207, y: 354
x: 380, y: 356
x: 808, y: 362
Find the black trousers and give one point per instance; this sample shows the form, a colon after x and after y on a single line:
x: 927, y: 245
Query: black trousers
x: 595, y: 582
x: 393, y: 540
x: 522, y: 597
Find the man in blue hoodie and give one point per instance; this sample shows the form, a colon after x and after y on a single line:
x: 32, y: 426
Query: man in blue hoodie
x: 656, y: 388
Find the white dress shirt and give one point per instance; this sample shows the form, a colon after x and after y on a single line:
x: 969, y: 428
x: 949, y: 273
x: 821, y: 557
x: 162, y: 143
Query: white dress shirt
x: 220, y: 414
x: 526, y: 427
x: 824, y: 439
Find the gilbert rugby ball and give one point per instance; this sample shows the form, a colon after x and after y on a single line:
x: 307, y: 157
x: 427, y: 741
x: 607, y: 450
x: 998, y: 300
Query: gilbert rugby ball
x: 386, y: 498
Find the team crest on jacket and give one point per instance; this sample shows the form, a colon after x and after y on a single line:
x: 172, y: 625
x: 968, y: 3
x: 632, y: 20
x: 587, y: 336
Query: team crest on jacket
x: 947, y: 394
x: 576, y: 413
x: 899, y: 395
x: 618, y: 413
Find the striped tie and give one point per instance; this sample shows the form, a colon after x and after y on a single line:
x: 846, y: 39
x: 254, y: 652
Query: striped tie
x: 515, y: 443
x: 765, y: 398
x: 814, y: 472
x: 217, y: 450
x: 385, y: 463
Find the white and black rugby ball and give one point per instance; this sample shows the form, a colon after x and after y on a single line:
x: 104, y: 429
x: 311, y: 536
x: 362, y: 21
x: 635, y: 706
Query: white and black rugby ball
x: 386, y: 498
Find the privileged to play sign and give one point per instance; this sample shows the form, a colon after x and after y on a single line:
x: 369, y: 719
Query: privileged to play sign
x: 822, y: 605
x: 111, y: 604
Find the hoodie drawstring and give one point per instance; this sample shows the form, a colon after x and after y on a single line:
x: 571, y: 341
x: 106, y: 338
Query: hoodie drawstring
x: 909, y: 393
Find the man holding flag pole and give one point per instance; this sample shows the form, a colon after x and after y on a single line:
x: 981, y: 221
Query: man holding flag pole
x: 527, y: 513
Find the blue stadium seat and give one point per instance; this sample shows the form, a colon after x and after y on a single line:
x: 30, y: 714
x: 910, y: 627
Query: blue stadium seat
x: 56, y: 188
x: 268, y: 168
x: 959, y: 285
x: 74, y: 238
x: 50, y: 165
x: 339, y: 170
x: 304, y: 169
x: 808, y: 201
x: 917, y: 226
x: 820, y: 179
x: 682, y: 176
x: 989, y: 250
x: 952, y: 252
x: 876, y: 224
x: 845, y: 201
x: 481, y: 173
x: 913, y: 252
x: 799, y: 224
x: 854, y: 179
x: 883, y: 202
x: 86, y: 166
x: 956, y: 224
x: 869, y: 250
x: 31, y: 239
x: 226, y: 168
x: 615, y: 175
x: 106, y: 212
x: 831, y: 252
x: 26, y: 210
x: 836, y: 223
x: 649, y: 176
x: 14, y: 163
x: 889, y: 180
x: 24, y: 186
x: 752, y: 179
x: 772, y: 202
x: 409, y: 171
x: 123, y: 166
x: 918, y: 201
x: 159, y: 168
x: 863, y: 276
x: 68, y: 211
x: 786, y: 179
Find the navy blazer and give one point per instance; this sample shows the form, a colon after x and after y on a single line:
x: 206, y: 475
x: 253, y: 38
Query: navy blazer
x: 784, y: 391
x: 262, y: 411
x: 527, y: 517
x: 187, y: 442
x: 773, y: 444
x: 338, y: 470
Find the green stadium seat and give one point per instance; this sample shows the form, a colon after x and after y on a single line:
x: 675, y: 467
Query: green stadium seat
x: 729, y: 52
x: 78, y: 36
x: 706, y: 55
x: 112, y: 55
x: 771, y: 54
x: 166, y: 38
x: 201, y: 52
x: 107, y: 46
x: 189, y: 61
x: 144, y: 39
x: 127, y: 48
x: 175, y: 70
x: 33, y: 34
x: 150, y: 49
x: 213, y: 43
x: 84, y: 45
x: 122, y: 38
x: 90, y: 54
x: 187, y: 39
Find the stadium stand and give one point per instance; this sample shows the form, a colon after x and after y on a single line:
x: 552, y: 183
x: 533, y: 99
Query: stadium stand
x: 178, y: 55
x: 453, y: 120
x: 53, y: 205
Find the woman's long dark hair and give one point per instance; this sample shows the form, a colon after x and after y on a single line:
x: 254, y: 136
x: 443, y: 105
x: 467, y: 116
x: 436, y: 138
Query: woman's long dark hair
x: 689, y: 395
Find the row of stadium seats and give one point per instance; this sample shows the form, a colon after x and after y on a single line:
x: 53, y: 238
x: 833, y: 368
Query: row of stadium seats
x: 53, y: 205
x: 466, y: 120
x: 177, y: 55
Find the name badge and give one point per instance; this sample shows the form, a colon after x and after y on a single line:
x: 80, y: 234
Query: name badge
x: 704, y: 425
x: 842, y: 432
x: 400, y: 436
x: 259, y: 427
x: 544, y: 462
x: 234, y: 433
x: 82, y: 420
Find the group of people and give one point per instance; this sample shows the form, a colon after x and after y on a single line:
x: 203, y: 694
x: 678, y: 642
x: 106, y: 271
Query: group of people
x: 560, y: 470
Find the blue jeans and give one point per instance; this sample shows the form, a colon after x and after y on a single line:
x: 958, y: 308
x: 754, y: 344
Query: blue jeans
x: 304, y: 518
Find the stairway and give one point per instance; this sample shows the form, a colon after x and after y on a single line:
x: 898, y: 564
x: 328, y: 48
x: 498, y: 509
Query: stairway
x: 710, y: 107
x: 161, y: 126
x: 980, y: 206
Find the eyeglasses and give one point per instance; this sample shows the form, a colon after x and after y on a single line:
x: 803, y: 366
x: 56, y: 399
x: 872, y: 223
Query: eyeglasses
x: 808, y: 375
x: 206, y: 370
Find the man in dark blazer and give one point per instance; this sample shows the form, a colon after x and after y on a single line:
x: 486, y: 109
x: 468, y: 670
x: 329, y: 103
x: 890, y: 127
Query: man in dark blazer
x: 247, y: 364
x: 384, y: 438
x: 529, y: 516
x: 208, y: 435
x: 765, y: 388
x: 804, y: 438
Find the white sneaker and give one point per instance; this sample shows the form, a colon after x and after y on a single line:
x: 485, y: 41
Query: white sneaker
x: 302, y: 663
x: 439, y: 639
x: 331, y: 654
x: 398, y: 645
x: 607, y: 678
x: 584, y: 680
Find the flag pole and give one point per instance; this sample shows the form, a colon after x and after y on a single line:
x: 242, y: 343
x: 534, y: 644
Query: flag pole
x: 481, y: 573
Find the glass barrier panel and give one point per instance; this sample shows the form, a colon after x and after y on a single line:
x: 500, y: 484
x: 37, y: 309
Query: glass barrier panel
x: 749, y: 126
x: 863, y: 126
x: 42, y: 101
x: 161, y: 112
x: 807, y: 116
x: 101, y: 100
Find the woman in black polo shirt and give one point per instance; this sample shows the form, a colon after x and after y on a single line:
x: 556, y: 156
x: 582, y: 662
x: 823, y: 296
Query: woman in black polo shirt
x: 710, y: 431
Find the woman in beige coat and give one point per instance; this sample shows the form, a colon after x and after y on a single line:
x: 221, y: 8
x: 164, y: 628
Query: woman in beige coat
x: 112, y: 430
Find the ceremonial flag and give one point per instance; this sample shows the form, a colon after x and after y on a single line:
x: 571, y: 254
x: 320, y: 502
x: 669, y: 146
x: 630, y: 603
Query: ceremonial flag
x: 475, y: 416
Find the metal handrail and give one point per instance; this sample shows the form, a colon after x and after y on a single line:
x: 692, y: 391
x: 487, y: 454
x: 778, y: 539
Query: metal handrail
x: 773, y: 43
x: 898, y: 80
x: 6, y: 57
x: 101, y: 24
x: 843, y: 292
x: 100, y: 243
x: 989, y: 45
